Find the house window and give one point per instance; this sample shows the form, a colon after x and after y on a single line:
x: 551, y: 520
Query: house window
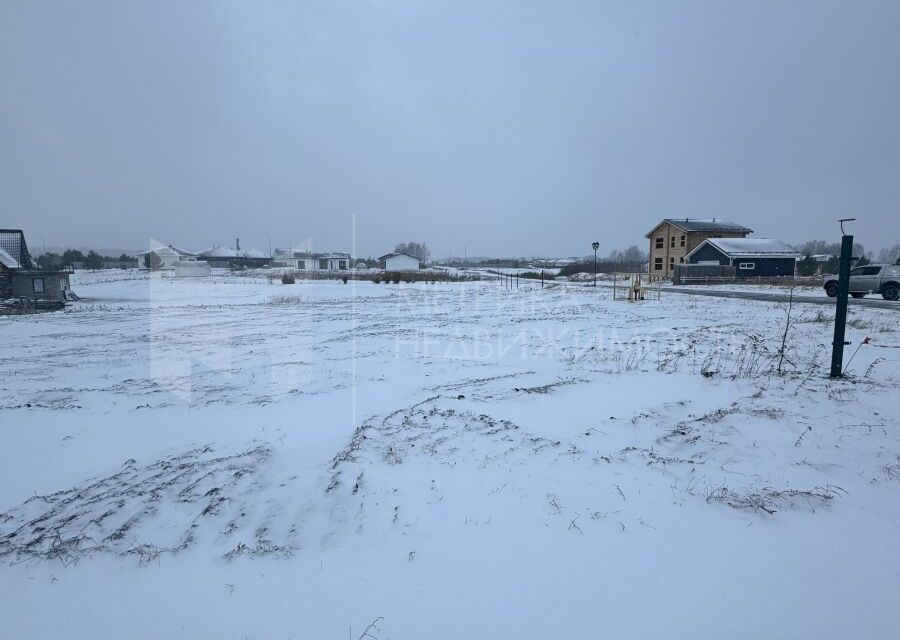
x: 683, y: 240
x: 660, y: 243
x: 673, y: 242
x: 747, y: 265
x: 681, y: 259
x: 657, y: 264
x: 672, y: 262
x: 342, y: 264
x: 37, y: 285
x: 323, y: 264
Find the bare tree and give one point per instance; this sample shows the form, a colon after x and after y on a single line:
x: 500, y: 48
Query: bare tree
x: 419, y: 250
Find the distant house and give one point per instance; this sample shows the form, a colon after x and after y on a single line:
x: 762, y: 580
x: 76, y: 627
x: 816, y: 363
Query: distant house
x: 226, y: 257
x: 21, y: 278
x: 750, y: 257
x: 307, y: 260
x: 169, y: 256
x: 399, y: 262
x: 674, y: 238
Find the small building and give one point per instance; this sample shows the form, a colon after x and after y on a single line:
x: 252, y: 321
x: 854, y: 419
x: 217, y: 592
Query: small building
x: 674, y: 238
x: 21, y: 279
x: 750, y: 257
x: 168, y: 256
x: 399, y: 262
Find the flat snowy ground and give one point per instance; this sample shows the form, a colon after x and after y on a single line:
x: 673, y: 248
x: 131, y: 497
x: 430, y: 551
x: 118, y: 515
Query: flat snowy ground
x: 235, y: 458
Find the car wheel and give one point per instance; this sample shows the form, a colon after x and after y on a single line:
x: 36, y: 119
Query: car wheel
x: 858, y: 295
x: 831, y: 290
x: 890, y: 292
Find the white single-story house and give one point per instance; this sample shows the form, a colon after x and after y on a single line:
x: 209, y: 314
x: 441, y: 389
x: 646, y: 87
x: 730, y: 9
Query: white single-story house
x: 307, y: 260
x: 399, y: 262
x: 168, y: 256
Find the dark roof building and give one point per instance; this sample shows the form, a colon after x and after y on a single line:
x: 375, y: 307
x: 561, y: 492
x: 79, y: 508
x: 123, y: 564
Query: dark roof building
x: 227, y: 257
x: 711, y: 225
x: 21, y: 280
x: 751, y: 257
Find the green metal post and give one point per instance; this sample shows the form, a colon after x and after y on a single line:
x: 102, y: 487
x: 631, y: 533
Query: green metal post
x: 840, y: 313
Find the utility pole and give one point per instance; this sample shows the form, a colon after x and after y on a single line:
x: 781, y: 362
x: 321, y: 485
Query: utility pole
x: 840, y: 313
x: 596, y: 246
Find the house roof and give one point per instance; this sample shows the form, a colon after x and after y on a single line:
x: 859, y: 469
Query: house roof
x: 167, y: 251
x: 12, y: 243
x: 219, y: 251
x: 394, y: 255
x: 8, y: 261
x: 253, y: 253
x: 749, y: 248
x: 702, y: 224
x: 303, y: 253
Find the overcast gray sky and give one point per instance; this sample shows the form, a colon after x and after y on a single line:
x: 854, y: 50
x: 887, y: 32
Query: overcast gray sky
x: 527, y: 128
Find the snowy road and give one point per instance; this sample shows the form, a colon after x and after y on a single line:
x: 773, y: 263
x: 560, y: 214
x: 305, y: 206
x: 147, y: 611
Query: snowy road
x: 800, y: 298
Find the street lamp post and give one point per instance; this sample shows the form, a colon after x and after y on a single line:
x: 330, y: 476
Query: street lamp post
x: 466, y: 253
x: 596, y: 246
x: 270, y: 243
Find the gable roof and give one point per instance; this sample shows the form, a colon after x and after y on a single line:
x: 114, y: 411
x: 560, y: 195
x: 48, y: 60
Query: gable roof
x: 748, y: 248
x: 16, y: 256
x: 394, y: 255
x: 167, y: 251
x: 253, y: 253
x: 8, y: 261
x: 218, y: 251
x: 702, y: 224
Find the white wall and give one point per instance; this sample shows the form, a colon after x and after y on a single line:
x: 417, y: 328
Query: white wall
x: 401, y: 263
x: 191, y: 268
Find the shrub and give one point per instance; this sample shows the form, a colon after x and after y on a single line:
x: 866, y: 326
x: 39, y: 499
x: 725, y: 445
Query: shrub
x: 536, y: 275
x: 152, y: 260
x: 288, y: 279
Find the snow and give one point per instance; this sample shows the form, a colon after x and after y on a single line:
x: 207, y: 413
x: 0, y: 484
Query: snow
x: 231, y: 457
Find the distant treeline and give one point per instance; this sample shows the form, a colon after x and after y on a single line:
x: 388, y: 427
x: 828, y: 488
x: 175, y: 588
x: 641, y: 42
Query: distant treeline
x: 630, y: 259
x: 89, y: 260
x: 809, y: 266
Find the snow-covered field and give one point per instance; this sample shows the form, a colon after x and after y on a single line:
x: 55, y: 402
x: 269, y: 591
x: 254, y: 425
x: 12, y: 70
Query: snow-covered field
x: 233, y: 458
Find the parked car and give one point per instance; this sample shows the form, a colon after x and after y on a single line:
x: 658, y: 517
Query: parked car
x: 872, y: 278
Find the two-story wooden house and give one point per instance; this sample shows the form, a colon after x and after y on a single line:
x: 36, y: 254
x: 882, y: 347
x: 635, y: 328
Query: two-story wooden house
x: 673, y: 238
